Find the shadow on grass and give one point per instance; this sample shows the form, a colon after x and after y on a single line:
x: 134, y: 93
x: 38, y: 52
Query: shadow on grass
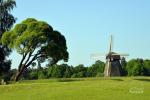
x: 68, y: 80
x: 146, y: 80
x: 117, y: 79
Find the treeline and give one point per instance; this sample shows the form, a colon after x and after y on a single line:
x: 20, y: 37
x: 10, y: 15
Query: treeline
x: 59, y: 71
x: 65, y: 71
x: 137, y: 67
x: 134, y: 67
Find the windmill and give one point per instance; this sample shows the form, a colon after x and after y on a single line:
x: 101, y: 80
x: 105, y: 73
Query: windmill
x: 113, y: 66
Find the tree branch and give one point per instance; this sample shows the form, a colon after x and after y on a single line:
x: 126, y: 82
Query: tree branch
x: 23, y: 58
x: 33, y: 59
x: 29, y: 56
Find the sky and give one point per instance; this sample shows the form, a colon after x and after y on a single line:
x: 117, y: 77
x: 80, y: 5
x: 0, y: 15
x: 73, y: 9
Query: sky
x: 88, y: 24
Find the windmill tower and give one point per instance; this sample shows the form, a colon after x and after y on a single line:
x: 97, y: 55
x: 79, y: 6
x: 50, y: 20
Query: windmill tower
x: 113, y: 66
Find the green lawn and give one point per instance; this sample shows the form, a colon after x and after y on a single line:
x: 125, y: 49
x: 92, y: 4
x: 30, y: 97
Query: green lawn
x: 133, y: 88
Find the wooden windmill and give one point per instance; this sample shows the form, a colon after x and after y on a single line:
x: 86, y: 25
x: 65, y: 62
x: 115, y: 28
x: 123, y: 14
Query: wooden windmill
x: 113, y: 66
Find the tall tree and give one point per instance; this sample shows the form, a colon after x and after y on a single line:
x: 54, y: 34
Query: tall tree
x: 35, y: 40
x: 6, y: 22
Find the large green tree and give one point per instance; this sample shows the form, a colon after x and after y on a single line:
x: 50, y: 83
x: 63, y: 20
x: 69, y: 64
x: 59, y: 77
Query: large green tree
x: 35, y: 40
x: 6, y: 22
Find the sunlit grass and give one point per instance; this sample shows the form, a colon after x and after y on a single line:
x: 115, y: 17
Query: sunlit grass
x: 118, y: 88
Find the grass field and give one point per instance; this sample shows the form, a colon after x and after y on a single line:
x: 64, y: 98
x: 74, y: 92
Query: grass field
x: 129, y: 88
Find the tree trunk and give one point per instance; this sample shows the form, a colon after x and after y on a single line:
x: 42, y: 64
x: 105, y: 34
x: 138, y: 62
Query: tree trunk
x: 19, y: 73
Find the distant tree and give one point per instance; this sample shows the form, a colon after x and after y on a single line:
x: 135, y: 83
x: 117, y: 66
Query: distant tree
x: 50, y: 70
x: 135, y: 67
x: 26, y: 74
x: 57, y: 72
x: 6, y: 22
x: 33, y: 74
x: 96, y: 69
x: 5, y: 66
x: 79, y: 68
x: 42, y: 74
x: 80, y: 71
x: 60, y: 71
x: 2, y: 55
x: 6, y: 18
x: 124, y: 64
x: 4, y: 70
x: 147, y: 67
x: 12, y: 73
x: 35, y: 40
x: 68, y: 71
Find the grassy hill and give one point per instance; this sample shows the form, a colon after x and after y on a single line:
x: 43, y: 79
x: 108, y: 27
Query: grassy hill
x: 124, y: 88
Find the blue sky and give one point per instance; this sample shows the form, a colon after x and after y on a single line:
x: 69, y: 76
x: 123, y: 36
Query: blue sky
x: 88, y: 24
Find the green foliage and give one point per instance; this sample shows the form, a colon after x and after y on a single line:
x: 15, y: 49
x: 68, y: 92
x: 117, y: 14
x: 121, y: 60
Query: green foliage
x: 5, y: 67
x: 35, y: 40
x: 33, y: 64
x: 32, y: 34
x: 135, y: 67
x: 80, y: 74
x: 50, y: 70
x: 2, y: 55
x: 58, y: 72
x: 4, y: 70
x: 42, y: 74
x: 6, y: 18
x: 96, y: 69
x: 33, y: 75
x: 147, y: 67
x: 80, y: 71
x: 6, y: 22
x: 124, y: 64
x: 99, y: 74
x: 68, y: 71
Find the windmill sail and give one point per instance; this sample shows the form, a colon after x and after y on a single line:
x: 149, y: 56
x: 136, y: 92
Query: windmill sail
x: 110, y: 48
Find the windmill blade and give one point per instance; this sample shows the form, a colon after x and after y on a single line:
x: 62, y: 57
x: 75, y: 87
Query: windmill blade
x: 97, y: 56
x: 110, y: 48
x: 124, y: 54
x: 120, y: 54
